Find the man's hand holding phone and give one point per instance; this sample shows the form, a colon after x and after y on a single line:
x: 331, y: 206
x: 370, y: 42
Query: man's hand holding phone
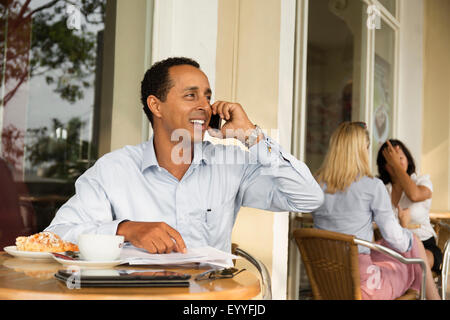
x: 237, y: 124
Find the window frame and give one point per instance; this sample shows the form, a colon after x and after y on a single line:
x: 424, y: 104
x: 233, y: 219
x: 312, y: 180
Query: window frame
x: 394, y: 24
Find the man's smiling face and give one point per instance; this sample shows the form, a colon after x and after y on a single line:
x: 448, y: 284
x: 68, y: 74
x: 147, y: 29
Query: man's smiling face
x: 187, y: 105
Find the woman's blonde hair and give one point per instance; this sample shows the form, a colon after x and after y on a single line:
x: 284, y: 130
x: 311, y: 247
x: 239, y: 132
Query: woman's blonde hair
x: 347, y: 158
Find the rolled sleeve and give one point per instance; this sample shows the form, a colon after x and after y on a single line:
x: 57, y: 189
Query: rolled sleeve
x: 277, y: 181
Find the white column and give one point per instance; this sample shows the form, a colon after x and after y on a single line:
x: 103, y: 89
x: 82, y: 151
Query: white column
x: 189, y: 29
x: 410, y: 100
x: 285, y: 105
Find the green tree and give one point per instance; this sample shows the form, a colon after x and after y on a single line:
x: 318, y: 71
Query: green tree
x: 60, y: 152
x: 64, y: 56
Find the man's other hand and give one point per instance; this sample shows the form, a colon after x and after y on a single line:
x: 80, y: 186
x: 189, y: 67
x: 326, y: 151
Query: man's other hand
x: 155, y: 237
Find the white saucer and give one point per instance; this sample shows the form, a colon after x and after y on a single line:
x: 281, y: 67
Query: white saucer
x: 89, y: 264
x: 12, y: 250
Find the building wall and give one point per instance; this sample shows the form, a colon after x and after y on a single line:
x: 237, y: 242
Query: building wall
x: 436, y: 100
x: 248, y: 50
x: 410, y: 95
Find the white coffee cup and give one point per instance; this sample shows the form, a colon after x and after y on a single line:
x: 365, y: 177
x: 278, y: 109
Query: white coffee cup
x: 100, y: 247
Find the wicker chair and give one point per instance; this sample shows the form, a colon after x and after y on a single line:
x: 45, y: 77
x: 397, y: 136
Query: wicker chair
x: 331, y: 262
x: 442, y: 228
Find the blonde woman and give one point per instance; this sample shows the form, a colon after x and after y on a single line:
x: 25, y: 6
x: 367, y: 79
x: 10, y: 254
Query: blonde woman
x: 353, y: 200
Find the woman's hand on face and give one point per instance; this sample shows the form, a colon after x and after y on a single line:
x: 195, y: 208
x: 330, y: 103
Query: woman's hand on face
x: 392, y: 157
x: 390, y: 170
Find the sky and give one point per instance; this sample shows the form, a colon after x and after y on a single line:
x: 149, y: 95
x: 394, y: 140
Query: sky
x: 44, y: 104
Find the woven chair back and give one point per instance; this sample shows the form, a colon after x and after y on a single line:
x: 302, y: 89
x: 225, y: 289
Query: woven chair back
x: 331, y: 263
x: 443, y: 235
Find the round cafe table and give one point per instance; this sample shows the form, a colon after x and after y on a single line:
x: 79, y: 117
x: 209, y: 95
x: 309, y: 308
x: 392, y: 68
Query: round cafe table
x: 34, y: 279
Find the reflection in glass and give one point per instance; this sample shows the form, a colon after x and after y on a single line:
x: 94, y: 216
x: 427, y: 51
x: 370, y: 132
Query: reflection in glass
x: 49, y: 55
x: 383, y: 102
x: 335, y: 35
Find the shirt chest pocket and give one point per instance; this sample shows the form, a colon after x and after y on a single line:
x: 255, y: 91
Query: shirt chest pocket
x: 213, y: 220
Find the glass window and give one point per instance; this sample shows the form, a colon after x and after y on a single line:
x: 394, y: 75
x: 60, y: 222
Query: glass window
x: 336, y: 34
x: 383, y: 99
x: 390, y: 5
x: 50, y: 87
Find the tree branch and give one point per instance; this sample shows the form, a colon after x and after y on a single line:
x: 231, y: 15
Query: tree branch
x: 24, y: 8
x: 11, y: 93
x: 48, y: 5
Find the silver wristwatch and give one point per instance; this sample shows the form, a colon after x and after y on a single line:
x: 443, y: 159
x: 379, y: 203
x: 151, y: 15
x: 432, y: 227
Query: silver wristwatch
x: 251, y: 139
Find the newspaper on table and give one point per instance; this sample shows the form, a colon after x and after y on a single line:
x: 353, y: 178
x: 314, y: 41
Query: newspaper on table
x: 203, y: 255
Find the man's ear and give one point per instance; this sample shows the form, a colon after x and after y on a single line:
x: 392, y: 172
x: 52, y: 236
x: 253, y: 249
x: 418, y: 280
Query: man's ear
x: 155, y: 106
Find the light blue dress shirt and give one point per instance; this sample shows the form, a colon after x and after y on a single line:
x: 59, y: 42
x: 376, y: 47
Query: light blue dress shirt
x: 353, y: 211
x: 128, y: 184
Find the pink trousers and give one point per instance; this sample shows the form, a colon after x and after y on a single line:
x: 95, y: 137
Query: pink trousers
x: 384, y: 278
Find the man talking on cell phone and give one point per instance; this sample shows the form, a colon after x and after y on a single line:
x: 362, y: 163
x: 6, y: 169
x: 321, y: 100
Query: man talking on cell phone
x: 176, y: 190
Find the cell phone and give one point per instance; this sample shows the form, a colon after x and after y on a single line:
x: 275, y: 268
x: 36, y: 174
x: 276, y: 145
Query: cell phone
x: 215, y: 121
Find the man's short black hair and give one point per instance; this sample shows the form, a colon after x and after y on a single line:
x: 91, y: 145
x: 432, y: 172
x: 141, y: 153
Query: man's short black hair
x: 157, y: 82
x: 381, y: 161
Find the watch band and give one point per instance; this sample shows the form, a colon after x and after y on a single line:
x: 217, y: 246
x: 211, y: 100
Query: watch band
x: 251, y: 139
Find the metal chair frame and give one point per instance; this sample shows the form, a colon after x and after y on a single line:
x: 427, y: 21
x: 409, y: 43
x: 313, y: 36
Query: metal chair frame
x: 264, y: 273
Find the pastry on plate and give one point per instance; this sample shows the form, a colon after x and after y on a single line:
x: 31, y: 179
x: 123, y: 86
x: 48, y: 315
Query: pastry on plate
x: 44, y: 242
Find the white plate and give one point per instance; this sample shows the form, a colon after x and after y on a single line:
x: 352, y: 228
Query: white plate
x: 89, y: 264
x: 12, y: 250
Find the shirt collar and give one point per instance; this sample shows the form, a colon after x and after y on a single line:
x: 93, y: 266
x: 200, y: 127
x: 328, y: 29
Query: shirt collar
x: 149, y: 157
x: 201, y: 154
